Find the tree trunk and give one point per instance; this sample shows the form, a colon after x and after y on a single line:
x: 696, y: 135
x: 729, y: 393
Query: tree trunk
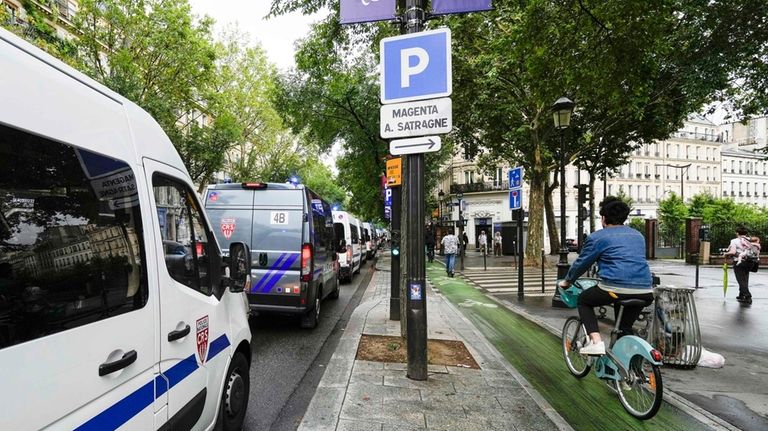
x: 535, y: 221
x: 549, y: 207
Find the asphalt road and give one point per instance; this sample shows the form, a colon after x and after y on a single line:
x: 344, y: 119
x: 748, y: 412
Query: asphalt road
x: 288, y: 361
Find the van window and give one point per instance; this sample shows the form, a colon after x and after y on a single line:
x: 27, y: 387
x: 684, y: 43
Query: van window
x: 184, y: 234
x: 71, y: 246
x: 339, y: 229
x: 355, y: 233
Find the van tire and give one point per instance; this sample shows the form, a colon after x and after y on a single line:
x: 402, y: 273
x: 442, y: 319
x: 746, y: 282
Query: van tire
x: 234, y: 399
x: 309, y: 320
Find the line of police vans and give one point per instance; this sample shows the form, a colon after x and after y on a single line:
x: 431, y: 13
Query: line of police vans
x: 118, y: 307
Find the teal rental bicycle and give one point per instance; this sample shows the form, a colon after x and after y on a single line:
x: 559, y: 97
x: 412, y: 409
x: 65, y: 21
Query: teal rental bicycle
x: 630, y: 365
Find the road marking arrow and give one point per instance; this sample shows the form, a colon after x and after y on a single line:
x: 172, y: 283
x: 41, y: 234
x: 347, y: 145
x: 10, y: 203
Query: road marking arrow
x: 426, y: 144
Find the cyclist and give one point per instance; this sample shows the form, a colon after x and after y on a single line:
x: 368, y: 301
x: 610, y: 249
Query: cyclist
x: 619, y: 252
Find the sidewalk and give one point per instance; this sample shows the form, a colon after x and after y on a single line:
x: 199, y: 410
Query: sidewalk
x: 361, y: 395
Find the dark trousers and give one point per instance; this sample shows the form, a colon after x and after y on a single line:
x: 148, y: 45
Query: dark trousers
x: 742, y: 277
x: 595, y: 297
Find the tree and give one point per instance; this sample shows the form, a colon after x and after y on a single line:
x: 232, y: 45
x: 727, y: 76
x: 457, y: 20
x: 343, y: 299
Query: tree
x: 635, y: 69
x: 672, y: 213
x: 39, y: 31
x: 154, y: 53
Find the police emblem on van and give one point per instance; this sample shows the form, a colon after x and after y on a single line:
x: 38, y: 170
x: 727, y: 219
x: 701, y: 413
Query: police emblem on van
x: 227, y: 227
x: 202, y: 338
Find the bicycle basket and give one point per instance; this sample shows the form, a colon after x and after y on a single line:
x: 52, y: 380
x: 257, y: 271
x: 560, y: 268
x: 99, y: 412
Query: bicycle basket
x: 570, y: 296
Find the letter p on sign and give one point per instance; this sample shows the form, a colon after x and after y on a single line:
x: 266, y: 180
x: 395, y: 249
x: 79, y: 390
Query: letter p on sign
x: 422, y: 61
x: 416, y: 66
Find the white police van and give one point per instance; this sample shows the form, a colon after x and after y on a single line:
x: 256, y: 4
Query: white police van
x: 116, y: 308
x: 352, y: 248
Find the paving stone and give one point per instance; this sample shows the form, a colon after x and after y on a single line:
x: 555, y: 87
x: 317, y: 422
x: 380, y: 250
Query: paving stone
x: 395, y: 366
x: 367, y: 365
x: 429, y: 384
x: 350, y: 425
x: 367, y: 392
x: 321, y: 415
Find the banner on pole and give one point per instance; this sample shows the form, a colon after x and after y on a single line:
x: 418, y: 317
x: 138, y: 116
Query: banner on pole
x: 443, y: 7
x: 355, y: 11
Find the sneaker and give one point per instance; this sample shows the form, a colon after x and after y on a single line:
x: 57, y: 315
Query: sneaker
x: 593, y: 349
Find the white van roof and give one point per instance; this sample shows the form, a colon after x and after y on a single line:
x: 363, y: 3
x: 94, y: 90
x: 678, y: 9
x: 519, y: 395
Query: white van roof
x: 62, y: 104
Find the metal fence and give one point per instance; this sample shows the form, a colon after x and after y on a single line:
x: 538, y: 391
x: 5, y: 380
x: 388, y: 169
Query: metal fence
x: 720, y: 234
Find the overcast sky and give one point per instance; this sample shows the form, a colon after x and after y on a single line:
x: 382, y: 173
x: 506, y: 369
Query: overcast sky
x: 276, y: 35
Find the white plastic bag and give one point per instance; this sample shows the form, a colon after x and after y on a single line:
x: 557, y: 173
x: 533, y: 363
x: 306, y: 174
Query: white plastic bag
x: 711, y: 359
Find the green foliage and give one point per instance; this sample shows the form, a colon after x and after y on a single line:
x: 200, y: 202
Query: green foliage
x: 637, y: 224
x: 625, y: 198
x: 672, y: 213
x: 39, y: 31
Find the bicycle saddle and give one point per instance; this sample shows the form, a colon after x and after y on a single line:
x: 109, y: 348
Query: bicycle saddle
x: 633, y: 303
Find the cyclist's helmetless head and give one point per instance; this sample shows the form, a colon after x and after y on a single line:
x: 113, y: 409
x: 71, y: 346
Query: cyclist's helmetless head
x: 613, y: 211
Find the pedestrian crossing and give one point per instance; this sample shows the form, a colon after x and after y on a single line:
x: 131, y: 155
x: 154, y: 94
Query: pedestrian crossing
x: 503, y: 280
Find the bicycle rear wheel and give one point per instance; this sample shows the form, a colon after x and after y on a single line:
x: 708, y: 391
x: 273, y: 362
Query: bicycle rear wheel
x: 575, y: 337
x: 641, y: 392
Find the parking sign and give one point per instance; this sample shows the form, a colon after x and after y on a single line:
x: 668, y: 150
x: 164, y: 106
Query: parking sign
x: 416, y: 66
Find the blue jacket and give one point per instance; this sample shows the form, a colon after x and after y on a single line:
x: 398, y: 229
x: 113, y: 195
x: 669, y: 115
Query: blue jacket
x: 620, y: 255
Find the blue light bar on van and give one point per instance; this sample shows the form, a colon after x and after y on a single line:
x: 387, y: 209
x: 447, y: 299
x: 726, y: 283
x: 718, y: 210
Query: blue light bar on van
x: 255, y: 186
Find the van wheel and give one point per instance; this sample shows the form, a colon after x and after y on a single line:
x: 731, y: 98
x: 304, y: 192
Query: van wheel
x: 309, y: 320
x: 234, y: 400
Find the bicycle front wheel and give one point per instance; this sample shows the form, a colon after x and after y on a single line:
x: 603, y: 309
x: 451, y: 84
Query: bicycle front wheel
x: 575, y: 337
x: 641, y: 392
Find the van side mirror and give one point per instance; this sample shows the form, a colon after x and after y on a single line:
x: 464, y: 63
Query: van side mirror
x: 239, y: 267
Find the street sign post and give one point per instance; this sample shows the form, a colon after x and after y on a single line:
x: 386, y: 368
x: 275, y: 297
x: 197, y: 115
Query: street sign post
x: 425, y: 117
x: 416, y: 66
x: 425, y: 144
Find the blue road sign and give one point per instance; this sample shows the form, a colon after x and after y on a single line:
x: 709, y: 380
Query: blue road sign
x: 516, y: 177
x: 416, y: 66
x: 515, y: 199
x: 388, y: 197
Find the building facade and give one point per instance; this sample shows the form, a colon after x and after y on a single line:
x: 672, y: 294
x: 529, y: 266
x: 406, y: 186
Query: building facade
x: 701, y: 157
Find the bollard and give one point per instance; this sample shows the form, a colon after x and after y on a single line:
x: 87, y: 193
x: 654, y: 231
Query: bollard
x: 542, y: 270
x: 697, y: 271
x: 485, y: 265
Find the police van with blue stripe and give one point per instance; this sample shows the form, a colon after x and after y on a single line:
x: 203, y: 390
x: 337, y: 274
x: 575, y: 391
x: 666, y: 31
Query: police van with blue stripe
x: 117, y: 309
x: 289, y: 229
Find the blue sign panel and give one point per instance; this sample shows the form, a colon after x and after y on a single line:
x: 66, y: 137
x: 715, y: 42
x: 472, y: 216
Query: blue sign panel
x: 353, y: 11
x: 416, y: 66
x: 515, y: 199
x: 442, y: 7
x: 388, y: 197
x: 516, y: 177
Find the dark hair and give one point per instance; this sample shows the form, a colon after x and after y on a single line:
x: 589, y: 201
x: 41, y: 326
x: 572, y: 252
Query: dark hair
x: 741, y: 230
x: 614, y: 210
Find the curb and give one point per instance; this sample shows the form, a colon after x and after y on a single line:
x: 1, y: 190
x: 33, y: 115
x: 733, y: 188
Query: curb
x: 708, y: 418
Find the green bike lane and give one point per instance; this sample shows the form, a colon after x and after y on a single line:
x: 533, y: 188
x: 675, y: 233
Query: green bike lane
x: 536, y: 353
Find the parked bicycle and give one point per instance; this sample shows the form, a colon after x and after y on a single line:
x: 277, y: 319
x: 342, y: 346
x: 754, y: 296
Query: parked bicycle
x: 630, y: 366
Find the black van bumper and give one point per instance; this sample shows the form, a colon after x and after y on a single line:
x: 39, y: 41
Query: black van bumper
x: 280, y: 309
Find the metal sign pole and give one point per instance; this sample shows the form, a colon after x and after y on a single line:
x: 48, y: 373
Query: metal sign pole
x: 414, y: 211
x: 520, y: 277
x: 394, y: 300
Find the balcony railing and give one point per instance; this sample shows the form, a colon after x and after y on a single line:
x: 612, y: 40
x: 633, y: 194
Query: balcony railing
x: 697, y: 136
x: 491, y: 186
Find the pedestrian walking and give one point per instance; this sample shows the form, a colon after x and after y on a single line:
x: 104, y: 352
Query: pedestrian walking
x: 464, y: 242
x: 737, y: 246
x: 450, y: 247
x: 482, y: 241
x: 429, y: 242
x: 497, y: 243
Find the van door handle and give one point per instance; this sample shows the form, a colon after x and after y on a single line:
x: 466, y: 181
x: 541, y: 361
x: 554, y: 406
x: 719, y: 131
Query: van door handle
x: 181, y: 333
x: 110, y: 367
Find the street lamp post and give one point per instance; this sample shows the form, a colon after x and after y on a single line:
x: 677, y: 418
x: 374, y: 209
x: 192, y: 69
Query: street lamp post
x: 561, y: 112
x: 462, y: 246
x: 440, y: 197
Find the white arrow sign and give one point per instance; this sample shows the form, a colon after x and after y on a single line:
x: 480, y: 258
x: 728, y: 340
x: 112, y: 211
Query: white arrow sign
x: 425, y: 144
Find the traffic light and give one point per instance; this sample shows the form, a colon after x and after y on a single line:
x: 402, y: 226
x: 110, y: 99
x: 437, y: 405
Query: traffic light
x: 583, y: 193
